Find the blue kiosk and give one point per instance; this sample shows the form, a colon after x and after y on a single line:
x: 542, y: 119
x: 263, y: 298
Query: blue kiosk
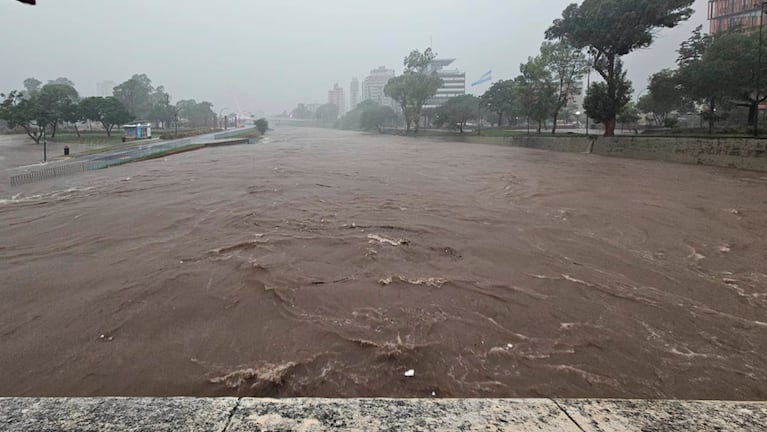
x: 137, y: 131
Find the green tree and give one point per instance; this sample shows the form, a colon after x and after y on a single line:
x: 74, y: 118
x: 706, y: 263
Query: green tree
x: 161, y: 113
x: 499, y: 98
x: 604, y: 102
x: 665, y: 94
x: 301, y: 112
x: 566, y: 66
x: 457, y: 111
x: 136, y: 95
x: 374, y: 118
x: 196, y: 114
x: 738, y: 56
x: 417, y: 84
x: 262, y: 125
x: 327, y: 113
x: 32, y: 86
x: 629, y: 116
x: 73, y: 114
x: 536, y: 91
x: 703, y: 76
x: 26, y: 113
x: 108, y: 111
x: 611, y: 29
x: 63, y: 81
x: 54, y: 99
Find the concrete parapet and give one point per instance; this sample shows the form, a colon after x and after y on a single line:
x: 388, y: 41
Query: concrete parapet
x: 249, y: 414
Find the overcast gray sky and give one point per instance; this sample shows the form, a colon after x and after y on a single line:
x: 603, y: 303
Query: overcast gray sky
x: 269, y: 55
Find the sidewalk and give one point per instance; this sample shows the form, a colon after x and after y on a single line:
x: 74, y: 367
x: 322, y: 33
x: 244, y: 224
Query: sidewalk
x: 246, y: 414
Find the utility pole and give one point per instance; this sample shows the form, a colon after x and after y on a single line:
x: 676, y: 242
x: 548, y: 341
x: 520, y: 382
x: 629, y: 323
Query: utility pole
x: 45, y: 144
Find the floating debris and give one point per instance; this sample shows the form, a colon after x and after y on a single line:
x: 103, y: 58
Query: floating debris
x: 410, y: 373
x: 381, y: 239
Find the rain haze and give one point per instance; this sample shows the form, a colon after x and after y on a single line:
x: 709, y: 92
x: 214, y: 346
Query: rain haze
x: 189, y: 206
x: 268, y: 56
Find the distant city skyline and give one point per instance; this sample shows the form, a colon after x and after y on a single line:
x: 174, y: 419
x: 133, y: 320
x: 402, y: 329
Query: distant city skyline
x: 188, y: 62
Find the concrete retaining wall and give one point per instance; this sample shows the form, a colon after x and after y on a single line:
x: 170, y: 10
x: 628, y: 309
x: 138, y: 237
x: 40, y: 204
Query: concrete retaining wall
x: 244, y: 414
x: 742, y: 153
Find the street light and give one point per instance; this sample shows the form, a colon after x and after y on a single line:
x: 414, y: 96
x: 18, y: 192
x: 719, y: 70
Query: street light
x: 221, y: 112
x: 759, y: 68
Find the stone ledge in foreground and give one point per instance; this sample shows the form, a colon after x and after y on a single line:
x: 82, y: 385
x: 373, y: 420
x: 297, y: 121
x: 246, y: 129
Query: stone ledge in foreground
x: 249, y: 414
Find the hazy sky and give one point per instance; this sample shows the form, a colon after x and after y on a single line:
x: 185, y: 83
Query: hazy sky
x: 269, y: 55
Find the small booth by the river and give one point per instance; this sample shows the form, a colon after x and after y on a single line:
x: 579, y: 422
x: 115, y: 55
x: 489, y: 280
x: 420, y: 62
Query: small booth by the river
x: 137, y: 131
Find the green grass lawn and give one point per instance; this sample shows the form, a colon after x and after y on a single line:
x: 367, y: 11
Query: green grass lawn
x: 89, y: 137
x: 250, y: 133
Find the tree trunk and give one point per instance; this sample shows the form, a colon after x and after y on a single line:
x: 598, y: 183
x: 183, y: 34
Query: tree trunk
x: 712, y: 117
x: 611, y: 90
x: 77, y: 131
x: 55, y: 127
x: 539, y: 127
x: 753, y: 109
x: 500, y: 118
x: 554, y: 126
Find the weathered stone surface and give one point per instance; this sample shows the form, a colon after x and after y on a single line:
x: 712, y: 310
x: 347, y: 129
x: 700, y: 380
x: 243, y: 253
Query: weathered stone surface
x: 667, y: 416
x: 311, y: 415
x: 235, y: 415
x: 114, y: 414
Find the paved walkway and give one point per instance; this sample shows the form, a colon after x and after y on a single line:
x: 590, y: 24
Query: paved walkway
x: 245, y: 414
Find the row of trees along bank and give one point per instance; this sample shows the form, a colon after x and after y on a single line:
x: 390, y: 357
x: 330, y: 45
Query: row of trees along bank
x: 40, y: 109
x: 593, y: 35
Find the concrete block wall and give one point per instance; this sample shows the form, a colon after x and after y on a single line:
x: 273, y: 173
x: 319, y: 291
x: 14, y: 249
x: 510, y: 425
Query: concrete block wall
x: 741, y: 153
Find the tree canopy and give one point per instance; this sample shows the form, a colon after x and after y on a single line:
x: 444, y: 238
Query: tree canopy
x: 611, y: 29
x: 499, y: 98
x: 415, y: 86
x: 457, y: 111
x: 108, y: 111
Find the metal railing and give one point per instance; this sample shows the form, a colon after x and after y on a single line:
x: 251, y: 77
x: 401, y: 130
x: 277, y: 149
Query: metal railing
x: 32, y: 175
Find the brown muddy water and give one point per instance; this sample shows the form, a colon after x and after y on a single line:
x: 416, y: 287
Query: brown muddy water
x: 324, y: 263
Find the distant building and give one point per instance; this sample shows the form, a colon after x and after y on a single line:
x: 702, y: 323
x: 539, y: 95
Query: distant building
x: 454, y: 82
x: 373, y: 86
x: 354, y: 94
x: 105, y: 88
x: 336, y: 97
x: 727, y: 14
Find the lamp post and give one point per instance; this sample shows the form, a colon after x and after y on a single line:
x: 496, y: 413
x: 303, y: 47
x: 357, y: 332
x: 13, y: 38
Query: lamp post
x: 759, y: 68
x: 588, y: 89
x: 221, y: 112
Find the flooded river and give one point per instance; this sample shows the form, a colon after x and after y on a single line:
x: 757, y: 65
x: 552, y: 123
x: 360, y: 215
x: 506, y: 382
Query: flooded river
x: 325, y: 263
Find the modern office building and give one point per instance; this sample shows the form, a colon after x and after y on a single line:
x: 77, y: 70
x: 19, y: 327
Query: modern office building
x: 354, y: 93
x: 373, y: 86
x: 336, y: 97
x: 727, y: 14
x: 454, y: 82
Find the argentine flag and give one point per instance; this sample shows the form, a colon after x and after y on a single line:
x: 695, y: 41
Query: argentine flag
x: 483, y: 79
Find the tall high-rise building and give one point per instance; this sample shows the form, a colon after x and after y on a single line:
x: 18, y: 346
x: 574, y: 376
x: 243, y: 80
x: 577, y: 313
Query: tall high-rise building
x: 354, y: 93
x: 373, y: 86
x: 336, y: 97
x: 726, y: 14
x: 105, y: 88
x: 453, y: 82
